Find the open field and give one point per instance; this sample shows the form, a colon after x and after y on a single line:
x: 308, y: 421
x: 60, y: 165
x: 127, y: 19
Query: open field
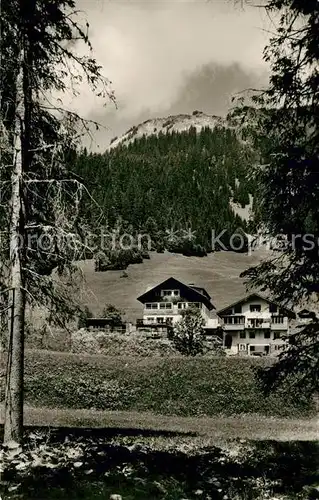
x: 218, y: 273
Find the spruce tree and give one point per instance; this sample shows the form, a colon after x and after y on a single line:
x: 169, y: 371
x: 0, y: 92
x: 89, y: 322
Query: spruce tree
x: 41, y: 198
x: 284, y: 126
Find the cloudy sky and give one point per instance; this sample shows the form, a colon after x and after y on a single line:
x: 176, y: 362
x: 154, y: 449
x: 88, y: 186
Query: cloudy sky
x: 171, y: 56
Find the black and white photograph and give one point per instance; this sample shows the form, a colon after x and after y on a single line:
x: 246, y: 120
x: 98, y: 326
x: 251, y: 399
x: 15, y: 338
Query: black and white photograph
x: 159, y: 249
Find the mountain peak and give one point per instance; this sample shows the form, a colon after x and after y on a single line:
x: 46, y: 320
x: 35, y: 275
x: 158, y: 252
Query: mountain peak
x: 176, y: 123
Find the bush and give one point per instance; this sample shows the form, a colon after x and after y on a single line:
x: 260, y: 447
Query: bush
x: 188, y: 333
x: 115, y: 344
x: 85, y: 341
x: 174, y: 385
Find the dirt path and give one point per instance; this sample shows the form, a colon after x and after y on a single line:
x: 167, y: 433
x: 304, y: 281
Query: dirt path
x: 217, y: 428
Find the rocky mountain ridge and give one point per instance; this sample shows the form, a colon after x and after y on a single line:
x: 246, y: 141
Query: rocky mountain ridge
x: 173, y: 123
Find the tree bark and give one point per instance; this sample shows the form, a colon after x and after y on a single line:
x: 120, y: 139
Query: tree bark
x: 13, y: 424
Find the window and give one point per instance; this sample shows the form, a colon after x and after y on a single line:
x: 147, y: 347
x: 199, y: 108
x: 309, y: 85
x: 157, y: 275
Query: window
x: 234, y: 320
x: 166, y: 305
x: 237, y: 309
x: 239, y: 320
x: 182, y: 305
x: 272, y: 308
x: 252, y: 335
x: 277, y: 335
x: 242, y: 347
x: 228, y: 320
x: 196, y: 304
x: 255, y: 322
x: 255, y: 308
x: 160, y: 320
x: 150, y: 319
x: 252, y: 348
x: 267, y: 334
x: 170, y: 293
x: 153, y: 305
x: 242, y: 335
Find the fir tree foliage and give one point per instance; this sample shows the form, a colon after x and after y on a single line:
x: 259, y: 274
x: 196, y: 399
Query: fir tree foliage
x: 40, y: 197
x: 176, y: 187
x: 112, y: 313
x: 284, y: 126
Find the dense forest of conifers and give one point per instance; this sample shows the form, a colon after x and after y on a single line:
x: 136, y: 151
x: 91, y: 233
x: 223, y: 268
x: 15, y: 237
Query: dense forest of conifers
x: 177, y: 187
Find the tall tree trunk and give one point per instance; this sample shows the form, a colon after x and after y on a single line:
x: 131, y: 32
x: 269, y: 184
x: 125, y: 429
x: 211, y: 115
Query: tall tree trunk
x: 13, y: 424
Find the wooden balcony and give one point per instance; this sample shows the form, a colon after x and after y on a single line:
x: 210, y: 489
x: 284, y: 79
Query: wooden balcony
x: 141, y: 322
x: 161, y: 312
x: 168, y: 308
x: 279, y: 326
x: 258, y: 326
x: 233, y: 327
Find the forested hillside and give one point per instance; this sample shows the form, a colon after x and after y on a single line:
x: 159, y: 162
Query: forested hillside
x: 177, y: 187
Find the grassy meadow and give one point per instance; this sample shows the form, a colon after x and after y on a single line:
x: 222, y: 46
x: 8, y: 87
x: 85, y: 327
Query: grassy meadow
x: 167, y: 386
x: 218, y: 273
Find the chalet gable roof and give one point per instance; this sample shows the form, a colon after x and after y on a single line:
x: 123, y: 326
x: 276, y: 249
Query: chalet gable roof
x: 197, y: 294
x: 200, y: 290
x: 287, y: 311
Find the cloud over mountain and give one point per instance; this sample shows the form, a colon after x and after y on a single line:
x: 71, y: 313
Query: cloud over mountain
x: 155, y: 52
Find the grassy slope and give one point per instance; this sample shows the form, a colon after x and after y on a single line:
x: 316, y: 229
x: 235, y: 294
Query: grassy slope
x: 218, y: 273
x: 168, y: 386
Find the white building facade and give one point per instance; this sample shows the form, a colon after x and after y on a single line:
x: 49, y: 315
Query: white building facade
x: 255, y: 326
x: 165, y: 303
